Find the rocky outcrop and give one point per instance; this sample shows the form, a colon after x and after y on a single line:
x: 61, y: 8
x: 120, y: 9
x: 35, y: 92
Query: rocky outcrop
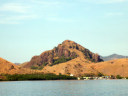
x: 62, y: 53
x: 88, y: 54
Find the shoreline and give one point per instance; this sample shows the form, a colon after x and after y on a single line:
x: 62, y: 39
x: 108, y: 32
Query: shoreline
x: 65, y: 80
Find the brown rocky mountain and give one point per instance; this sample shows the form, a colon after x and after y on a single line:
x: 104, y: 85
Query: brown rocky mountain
x: 67, y: 51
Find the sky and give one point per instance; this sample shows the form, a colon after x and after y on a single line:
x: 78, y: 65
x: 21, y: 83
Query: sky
x: 30, y: 27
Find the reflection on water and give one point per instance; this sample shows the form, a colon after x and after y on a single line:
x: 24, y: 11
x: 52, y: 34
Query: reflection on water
x: 65, y: 88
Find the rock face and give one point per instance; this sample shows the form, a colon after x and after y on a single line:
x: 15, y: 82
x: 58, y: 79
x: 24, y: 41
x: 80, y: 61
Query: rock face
x: 62, y: 53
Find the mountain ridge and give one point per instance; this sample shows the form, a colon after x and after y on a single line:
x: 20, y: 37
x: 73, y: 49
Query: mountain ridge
x: 67, y: 58
x: 62, y: 53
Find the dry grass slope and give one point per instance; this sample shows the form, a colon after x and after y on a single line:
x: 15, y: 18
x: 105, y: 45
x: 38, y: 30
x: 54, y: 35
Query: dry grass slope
x: 112, y: 67
x: 7, y: 67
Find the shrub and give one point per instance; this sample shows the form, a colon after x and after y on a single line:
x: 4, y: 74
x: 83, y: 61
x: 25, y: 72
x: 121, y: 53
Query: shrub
x: 118, y: 77
x: 61, y: 60
x: 37, y: 68
x: 89, y: 75
x: 34, y: 67
x: 112, y: 77
x: 100, y: 74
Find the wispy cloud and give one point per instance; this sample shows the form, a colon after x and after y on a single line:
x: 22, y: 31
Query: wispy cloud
x: 113, y: 14
x: 22, y: 17
x: 16, y: 19
x: 47, y: 3
x: 14, y: 13
x: 105, y: 1
x: 111, y: 1
x: 58, y: 19
x: 14, y: 7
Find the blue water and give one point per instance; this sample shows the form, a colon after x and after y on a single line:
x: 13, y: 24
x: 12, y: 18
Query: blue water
x: 65, y: 88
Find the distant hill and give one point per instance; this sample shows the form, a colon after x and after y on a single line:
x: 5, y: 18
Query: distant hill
x: 17, y: 63
x: 113, y: 57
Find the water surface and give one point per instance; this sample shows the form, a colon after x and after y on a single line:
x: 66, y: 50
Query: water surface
x: 65, y: 88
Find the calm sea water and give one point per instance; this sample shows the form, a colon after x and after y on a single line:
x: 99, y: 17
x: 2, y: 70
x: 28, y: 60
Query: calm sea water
x: 65, y: 88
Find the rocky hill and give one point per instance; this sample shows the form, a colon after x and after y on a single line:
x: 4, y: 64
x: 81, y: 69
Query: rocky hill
x: 65, y: 52
x: 113, y: 57
x: 7, y: 67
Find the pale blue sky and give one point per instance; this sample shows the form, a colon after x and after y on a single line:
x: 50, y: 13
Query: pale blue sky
x: 29, y: 27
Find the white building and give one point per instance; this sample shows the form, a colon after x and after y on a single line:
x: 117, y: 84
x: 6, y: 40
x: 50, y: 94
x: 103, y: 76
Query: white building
x: 71, y: 75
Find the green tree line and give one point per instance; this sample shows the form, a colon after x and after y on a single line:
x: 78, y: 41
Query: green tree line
x: 20, y: 77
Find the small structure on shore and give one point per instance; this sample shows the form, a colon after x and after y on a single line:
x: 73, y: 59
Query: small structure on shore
x: 71, y: 75
x: 78, y: 78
